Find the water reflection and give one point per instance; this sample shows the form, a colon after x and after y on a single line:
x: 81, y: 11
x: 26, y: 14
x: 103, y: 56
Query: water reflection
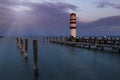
x: 36, y: 77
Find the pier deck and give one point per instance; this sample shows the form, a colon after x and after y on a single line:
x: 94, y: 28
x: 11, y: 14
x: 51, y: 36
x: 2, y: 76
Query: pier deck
x: 91, y: 43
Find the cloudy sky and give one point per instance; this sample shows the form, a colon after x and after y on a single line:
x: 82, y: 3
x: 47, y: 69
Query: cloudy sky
x: 51, y: 17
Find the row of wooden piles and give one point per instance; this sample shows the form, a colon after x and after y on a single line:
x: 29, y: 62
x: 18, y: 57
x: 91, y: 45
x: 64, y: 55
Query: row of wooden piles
x: 90, y: 42
x: 23, y: 45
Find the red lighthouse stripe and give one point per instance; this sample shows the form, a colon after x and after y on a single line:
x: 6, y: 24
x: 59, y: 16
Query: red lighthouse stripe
x: 72, y: 19
x: 72, y: 27
x: 72, y: 22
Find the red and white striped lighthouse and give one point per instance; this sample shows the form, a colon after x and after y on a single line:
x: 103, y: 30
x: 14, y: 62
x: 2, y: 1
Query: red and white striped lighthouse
x: 73, y: 25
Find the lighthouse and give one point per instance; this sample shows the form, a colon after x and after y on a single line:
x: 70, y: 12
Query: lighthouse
x: 73, y: 25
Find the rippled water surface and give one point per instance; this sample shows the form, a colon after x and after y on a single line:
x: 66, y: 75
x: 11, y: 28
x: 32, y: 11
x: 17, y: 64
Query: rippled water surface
x: 57, y: 62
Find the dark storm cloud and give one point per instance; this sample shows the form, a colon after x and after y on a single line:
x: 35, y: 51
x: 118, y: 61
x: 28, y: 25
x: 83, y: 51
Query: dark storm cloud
x: 107, y: 4
x: 108, y: 21
x: 44, y: 18
x: 103, y: 26
x: 51, y: 11
x: 51, y: 17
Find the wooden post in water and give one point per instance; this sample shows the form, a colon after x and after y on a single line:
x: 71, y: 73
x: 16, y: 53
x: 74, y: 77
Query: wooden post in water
x: 66, y: 38
x: 17, y: 42
x: 72, y: 39
x: 80, y: 41
x: 102, y: 40
x: 56, y: 39
x: 53, y: 39
x: 114, y: 41
x: 102, y: 45
x: 90, y: 40
x: 111, y: 41
x: 102, y: 48
x: 105, y: 39
x: 35, y: 50
x: 22, y: 50
x: 61, y: 40
x: 83, y: 41
x: 26, y: 49
x: 49, y: 38
x: 119, y: 50
x: 46, y: 39
x: 95, y: 42
x: 119, y: 42
x: 21, y: 46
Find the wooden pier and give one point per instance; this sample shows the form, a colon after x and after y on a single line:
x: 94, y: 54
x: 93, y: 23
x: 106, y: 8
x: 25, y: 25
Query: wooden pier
x: 90, y: 42
x: 24, y: 51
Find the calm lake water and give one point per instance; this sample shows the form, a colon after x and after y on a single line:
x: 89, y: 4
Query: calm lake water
x: 57, y: 62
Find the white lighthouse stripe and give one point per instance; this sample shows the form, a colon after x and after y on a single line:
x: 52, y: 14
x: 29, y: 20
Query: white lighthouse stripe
x: 72, y: 20
x: 72, y: 25
x: 73, y: 32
